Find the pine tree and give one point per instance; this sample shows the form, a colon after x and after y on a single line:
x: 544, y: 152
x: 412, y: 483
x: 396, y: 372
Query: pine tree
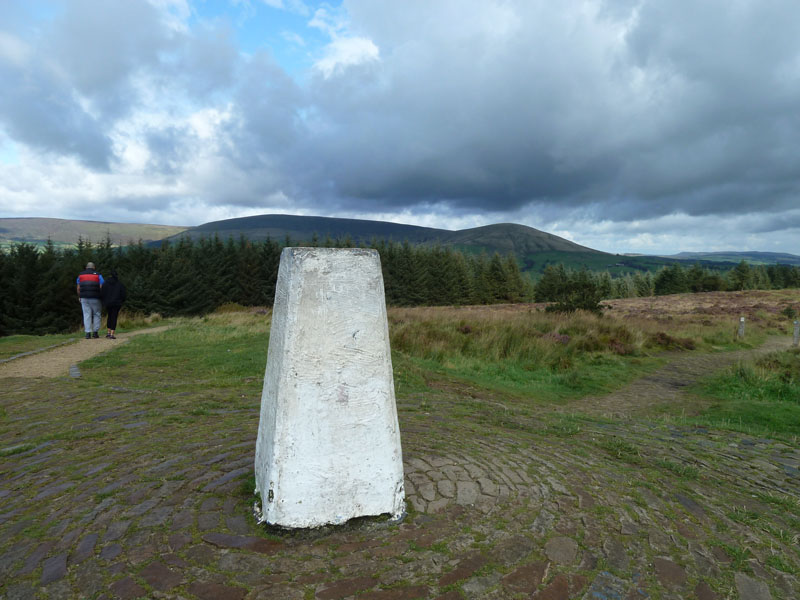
x: 604, y: 284
x: 464, y: 282
x: 552, y: 283
x: 481, y: 286
x: 55, y: 295
x: 671, y: 280
x: 515, y: 283
x: 741, y: 277
x: 19, y: 313
x: 498, y: 280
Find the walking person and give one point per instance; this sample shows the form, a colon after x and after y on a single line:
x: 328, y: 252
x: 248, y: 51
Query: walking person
x: 113, y: 296
x: 89, y: 286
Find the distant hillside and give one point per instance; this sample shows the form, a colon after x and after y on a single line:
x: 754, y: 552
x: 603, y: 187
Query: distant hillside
x: 502, y: 238
x: 302, y: 229
x: 533, y: 248
x: 66, y: 232
x: 754, y: 258
x: 519, y: 239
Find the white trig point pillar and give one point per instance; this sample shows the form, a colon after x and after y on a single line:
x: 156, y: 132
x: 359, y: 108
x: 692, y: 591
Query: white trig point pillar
x: 740, y: 333
x: 796, y: 336
x: 328, y: 446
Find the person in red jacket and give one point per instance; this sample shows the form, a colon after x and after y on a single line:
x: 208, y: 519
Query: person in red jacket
x: 89, y: 286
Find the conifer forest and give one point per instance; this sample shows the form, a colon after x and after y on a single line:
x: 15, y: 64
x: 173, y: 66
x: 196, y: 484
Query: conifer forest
x: 38, y: 295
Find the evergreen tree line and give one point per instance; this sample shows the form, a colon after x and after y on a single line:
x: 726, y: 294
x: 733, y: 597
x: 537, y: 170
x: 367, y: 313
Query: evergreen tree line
x: 572, y: 290
x: 37, y: 286
x: 38, y: 295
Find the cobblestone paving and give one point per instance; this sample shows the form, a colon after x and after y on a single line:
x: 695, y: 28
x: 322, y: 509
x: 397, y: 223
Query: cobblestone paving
x: 124, y: 493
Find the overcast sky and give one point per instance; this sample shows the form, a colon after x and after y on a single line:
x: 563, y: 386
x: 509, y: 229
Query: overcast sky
x: 627, y: 126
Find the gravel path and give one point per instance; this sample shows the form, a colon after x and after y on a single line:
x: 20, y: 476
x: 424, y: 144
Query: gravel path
x: 56, y: 362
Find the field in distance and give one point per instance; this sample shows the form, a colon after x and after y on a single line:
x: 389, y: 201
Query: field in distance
x: 67, y: 232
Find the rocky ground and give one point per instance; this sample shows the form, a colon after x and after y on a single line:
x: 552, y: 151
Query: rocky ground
x: 120, y: 492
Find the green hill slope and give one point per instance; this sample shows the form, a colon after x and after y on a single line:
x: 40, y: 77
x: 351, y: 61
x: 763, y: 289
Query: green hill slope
x: 503, y: 237
x: 533, y: 248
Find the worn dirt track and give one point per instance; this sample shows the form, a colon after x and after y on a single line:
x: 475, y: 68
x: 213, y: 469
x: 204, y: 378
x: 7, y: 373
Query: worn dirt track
x: 56, y: 362
x: 667, y: 384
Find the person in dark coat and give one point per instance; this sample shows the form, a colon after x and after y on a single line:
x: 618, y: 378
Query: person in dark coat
x: 113, y: 295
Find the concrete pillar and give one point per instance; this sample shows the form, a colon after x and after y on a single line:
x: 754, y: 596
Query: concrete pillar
x: 796, y: 336
x: 328, y: 446
x: 740, y: 333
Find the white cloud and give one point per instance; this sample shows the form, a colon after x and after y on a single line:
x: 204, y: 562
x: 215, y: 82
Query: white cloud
x: 293, y: 38
x: 342, y: 53
x: 295, y: 6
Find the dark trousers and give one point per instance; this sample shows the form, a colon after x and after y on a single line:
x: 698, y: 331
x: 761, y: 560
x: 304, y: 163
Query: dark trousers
x: 113, y: 313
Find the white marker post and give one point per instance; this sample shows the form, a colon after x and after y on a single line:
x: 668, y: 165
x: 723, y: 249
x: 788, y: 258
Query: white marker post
x: 796, y: 336
x: 741, y: 328
x: 328, y: 447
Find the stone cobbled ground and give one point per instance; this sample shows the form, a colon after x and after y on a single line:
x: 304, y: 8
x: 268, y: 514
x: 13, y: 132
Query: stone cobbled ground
x: 118, y: 492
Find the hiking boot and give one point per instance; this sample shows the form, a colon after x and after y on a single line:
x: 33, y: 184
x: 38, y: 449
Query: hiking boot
x: 113, y: 337
x: 94, y: 335
x: 88, y: 336
x: 108, y: 335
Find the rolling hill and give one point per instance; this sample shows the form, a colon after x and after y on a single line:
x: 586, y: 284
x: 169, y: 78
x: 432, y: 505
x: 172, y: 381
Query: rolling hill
x: 66, y: 232
x: 533, y: 248
x: 503, y: 237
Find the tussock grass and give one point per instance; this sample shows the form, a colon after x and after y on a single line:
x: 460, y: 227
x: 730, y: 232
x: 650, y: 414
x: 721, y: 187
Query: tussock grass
x: 760, y: 397
x: 520, y: 349
x: 131, y: 320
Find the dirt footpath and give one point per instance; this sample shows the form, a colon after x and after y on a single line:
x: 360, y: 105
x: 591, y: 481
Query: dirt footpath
x: 56, y: 362
x: 666, y: 385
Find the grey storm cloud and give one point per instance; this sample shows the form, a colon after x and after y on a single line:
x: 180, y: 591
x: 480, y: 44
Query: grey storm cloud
x: 672, y: 106
x: 619, y: 110
x: 37, y: 109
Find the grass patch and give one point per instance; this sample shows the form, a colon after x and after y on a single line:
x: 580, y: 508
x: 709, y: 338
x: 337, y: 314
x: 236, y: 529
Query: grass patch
x: 739, y: 556
x: 13, y: 345
x: 226, y: 350
x: 685, y: 471
x: 18, y: 449
x: 778, y: 562
x: 784, y: 502
x: 621, y: 450
x: 550, y: 357
x: 757, y: 398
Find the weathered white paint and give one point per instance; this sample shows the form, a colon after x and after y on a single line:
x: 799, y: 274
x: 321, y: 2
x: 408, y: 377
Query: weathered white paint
x: 328, y: 446
x: 796, y: 334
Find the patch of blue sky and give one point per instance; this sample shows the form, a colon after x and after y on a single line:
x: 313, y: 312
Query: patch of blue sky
x: 281, y: 27
x: 9, y: 154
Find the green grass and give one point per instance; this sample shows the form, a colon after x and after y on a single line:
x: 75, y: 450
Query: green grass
x: 761, y: 398
x: 228, y: 350
x: 17, y: 449
x: 17, y: 344
x: 552, y: 358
